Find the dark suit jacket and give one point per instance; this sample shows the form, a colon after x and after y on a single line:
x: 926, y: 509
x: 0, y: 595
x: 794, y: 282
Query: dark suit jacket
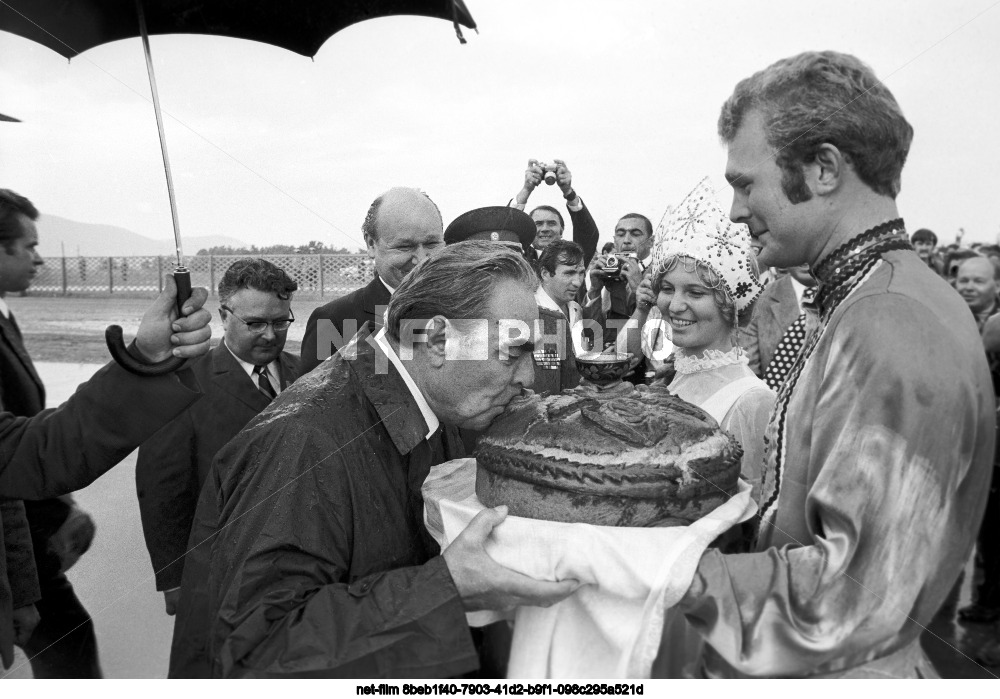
x: 62, y: 450
x: 585, y: 233
x: 175, y: 462
x: 21, y: 393
x: 361, y: 305
x: 777, y: 308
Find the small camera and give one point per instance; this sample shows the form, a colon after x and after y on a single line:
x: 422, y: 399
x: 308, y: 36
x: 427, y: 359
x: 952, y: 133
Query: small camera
x: 615, y: 261
x: 548, y: 173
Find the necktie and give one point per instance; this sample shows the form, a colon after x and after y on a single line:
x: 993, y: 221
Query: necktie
x: 264, y: 383
x: 788, y: 349
x: 14, y: 324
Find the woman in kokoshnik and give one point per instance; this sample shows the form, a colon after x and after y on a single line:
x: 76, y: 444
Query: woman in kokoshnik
x: 700, y: 290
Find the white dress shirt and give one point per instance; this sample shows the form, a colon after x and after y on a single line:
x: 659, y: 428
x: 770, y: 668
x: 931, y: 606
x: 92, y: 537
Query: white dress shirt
x: 273, y: 371
x: 425, y: 410
x: 543, y: 300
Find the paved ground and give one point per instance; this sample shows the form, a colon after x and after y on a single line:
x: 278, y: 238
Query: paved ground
x: 114, y: 580
x: 71, y: 329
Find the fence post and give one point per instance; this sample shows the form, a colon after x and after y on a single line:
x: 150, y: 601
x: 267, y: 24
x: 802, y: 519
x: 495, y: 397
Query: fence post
x: 111, y: 275
x: 159, y: 271
x: 64, y: 275
x: 211, y: 274
x: 322, y: 278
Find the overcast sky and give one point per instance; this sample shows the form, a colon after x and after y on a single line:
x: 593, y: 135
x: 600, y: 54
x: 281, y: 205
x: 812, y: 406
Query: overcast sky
x: 268, y: 146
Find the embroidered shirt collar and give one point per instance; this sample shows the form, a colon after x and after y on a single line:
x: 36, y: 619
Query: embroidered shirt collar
x: 831, y: 269
x: 709, y: 359
x: 425, y: 410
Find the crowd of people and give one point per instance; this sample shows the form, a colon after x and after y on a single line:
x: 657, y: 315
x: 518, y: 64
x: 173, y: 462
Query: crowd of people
x: 281, y: 496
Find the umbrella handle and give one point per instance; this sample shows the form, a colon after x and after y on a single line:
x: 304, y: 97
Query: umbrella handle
x: 116, y: 345
x: 114, y: 337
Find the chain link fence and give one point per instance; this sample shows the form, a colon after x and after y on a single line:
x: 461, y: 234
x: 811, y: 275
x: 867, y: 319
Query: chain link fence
x: 320, y: 275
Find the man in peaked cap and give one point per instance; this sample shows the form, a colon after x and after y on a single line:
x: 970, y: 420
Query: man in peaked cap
x: 500, y: 224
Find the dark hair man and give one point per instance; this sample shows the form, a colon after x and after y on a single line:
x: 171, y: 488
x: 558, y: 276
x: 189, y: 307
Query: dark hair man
x: 58, y: 451
x: 403, y: 226
x: 549, y: 223
x: 240, y: 377
x: 859, y: 481
x: 63, y: 644
x: 924, y: 241
x: 335, y: 575
x: 561, y: 338
x: 611, y: 297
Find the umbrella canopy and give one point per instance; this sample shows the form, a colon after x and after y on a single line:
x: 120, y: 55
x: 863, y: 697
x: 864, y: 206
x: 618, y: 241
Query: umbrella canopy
x: 70, y: 27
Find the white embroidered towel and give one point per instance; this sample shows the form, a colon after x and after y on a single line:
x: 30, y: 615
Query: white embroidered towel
x: 611, y: 627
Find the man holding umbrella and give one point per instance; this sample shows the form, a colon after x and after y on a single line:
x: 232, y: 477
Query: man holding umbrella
x: 64, y: 449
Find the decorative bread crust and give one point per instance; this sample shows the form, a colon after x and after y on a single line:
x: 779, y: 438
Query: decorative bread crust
x: 624, y: 456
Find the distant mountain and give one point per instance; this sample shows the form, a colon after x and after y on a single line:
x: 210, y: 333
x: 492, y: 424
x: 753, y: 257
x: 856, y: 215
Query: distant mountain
x: 96, y: 239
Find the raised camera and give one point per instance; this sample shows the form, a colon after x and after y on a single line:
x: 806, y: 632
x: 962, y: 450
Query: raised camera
x: 614, y: 262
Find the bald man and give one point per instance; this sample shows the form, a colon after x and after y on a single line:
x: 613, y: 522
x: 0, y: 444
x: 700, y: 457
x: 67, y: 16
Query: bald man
x: 976, y: 281
x: 403, y: 226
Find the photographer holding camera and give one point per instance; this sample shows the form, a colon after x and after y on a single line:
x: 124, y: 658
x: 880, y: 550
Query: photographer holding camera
x: 549, y: 224
x: 615, y: 277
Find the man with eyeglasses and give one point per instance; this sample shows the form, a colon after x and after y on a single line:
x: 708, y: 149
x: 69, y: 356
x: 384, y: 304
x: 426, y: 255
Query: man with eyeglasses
x: 240, y: 377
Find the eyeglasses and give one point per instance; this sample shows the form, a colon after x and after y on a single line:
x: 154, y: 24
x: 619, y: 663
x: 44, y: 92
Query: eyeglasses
x: 259, y: 326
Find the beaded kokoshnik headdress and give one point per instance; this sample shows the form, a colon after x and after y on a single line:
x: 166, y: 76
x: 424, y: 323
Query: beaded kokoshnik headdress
x: 698, y: 228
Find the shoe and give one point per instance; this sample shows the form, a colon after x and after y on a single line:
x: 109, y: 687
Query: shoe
x: 978, y: 614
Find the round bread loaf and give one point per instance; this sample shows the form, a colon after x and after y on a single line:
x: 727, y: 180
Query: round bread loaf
x: 625, y: 456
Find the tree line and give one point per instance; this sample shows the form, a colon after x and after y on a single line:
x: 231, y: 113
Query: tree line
x: 313, y: 247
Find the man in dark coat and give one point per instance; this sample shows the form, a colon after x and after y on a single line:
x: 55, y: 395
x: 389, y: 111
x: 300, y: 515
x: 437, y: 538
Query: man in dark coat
x: 255, y: 296
x: 549, y: 223
x: 322, y: 566
x: 65, y: 449
x: 403, y: 227
x: 18, y: 260
x: 561, y: 335
x: 60, y: 532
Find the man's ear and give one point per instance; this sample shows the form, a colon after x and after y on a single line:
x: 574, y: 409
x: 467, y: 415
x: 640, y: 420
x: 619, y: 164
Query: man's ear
x: 436, y: 333
x: 370, y: 242
x: 826, y: 173
x: 544, y: 273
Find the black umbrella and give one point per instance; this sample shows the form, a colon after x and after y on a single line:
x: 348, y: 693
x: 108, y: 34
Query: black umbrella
x: 70, y: 27
x: 4, y: 117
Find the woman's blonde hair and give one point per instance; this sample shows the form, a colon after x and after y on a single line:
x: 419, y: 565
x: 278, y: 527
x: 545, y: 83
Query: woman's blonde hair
x: 723, y: 299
